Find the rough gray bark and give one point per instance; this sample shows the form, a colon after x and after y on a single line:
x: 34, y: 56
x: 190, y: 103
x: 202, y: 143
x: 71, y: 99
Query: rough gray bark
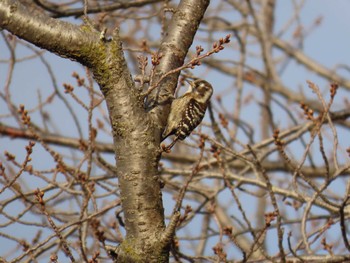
x: 136, y: 132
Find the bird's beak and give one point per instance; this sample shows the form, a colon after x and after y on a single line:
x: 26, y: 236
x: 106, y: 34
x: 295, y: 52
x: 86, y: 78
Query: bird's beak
x: 190, y: 87
x: 189, y: 90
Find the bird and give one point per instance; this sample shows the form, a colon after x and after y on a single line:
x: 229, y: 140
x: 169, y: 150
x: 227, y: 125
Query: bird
x: 187, y: 111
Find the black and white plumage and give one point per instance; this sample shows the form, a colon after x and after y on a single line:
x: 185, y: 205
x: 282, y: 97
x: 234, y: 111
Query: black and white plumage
x: 187, y: 111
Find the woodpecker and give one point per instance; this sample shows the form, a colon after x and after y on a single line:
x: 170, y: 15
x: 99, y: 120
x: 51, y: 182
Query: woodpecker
x: 187, y: 111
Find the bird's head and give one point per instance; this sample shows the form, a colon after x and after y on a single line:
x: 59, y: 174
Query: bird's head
x: 202, y: 89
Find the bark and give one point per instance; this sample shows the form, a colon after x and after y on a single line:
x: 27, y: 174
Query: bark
x: 177, y: 40
x: 136, y: 132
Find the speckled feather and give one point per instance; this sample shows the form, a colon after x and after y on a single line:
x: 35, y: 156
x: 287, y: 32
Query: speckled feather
x: 187, y: 111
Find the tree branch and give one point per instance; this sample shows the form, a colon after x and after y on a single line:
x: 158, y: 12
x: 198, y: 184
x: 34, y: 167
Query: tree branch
x: 64, y: 39
x: 174, y: 47
x: 63, y: 12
